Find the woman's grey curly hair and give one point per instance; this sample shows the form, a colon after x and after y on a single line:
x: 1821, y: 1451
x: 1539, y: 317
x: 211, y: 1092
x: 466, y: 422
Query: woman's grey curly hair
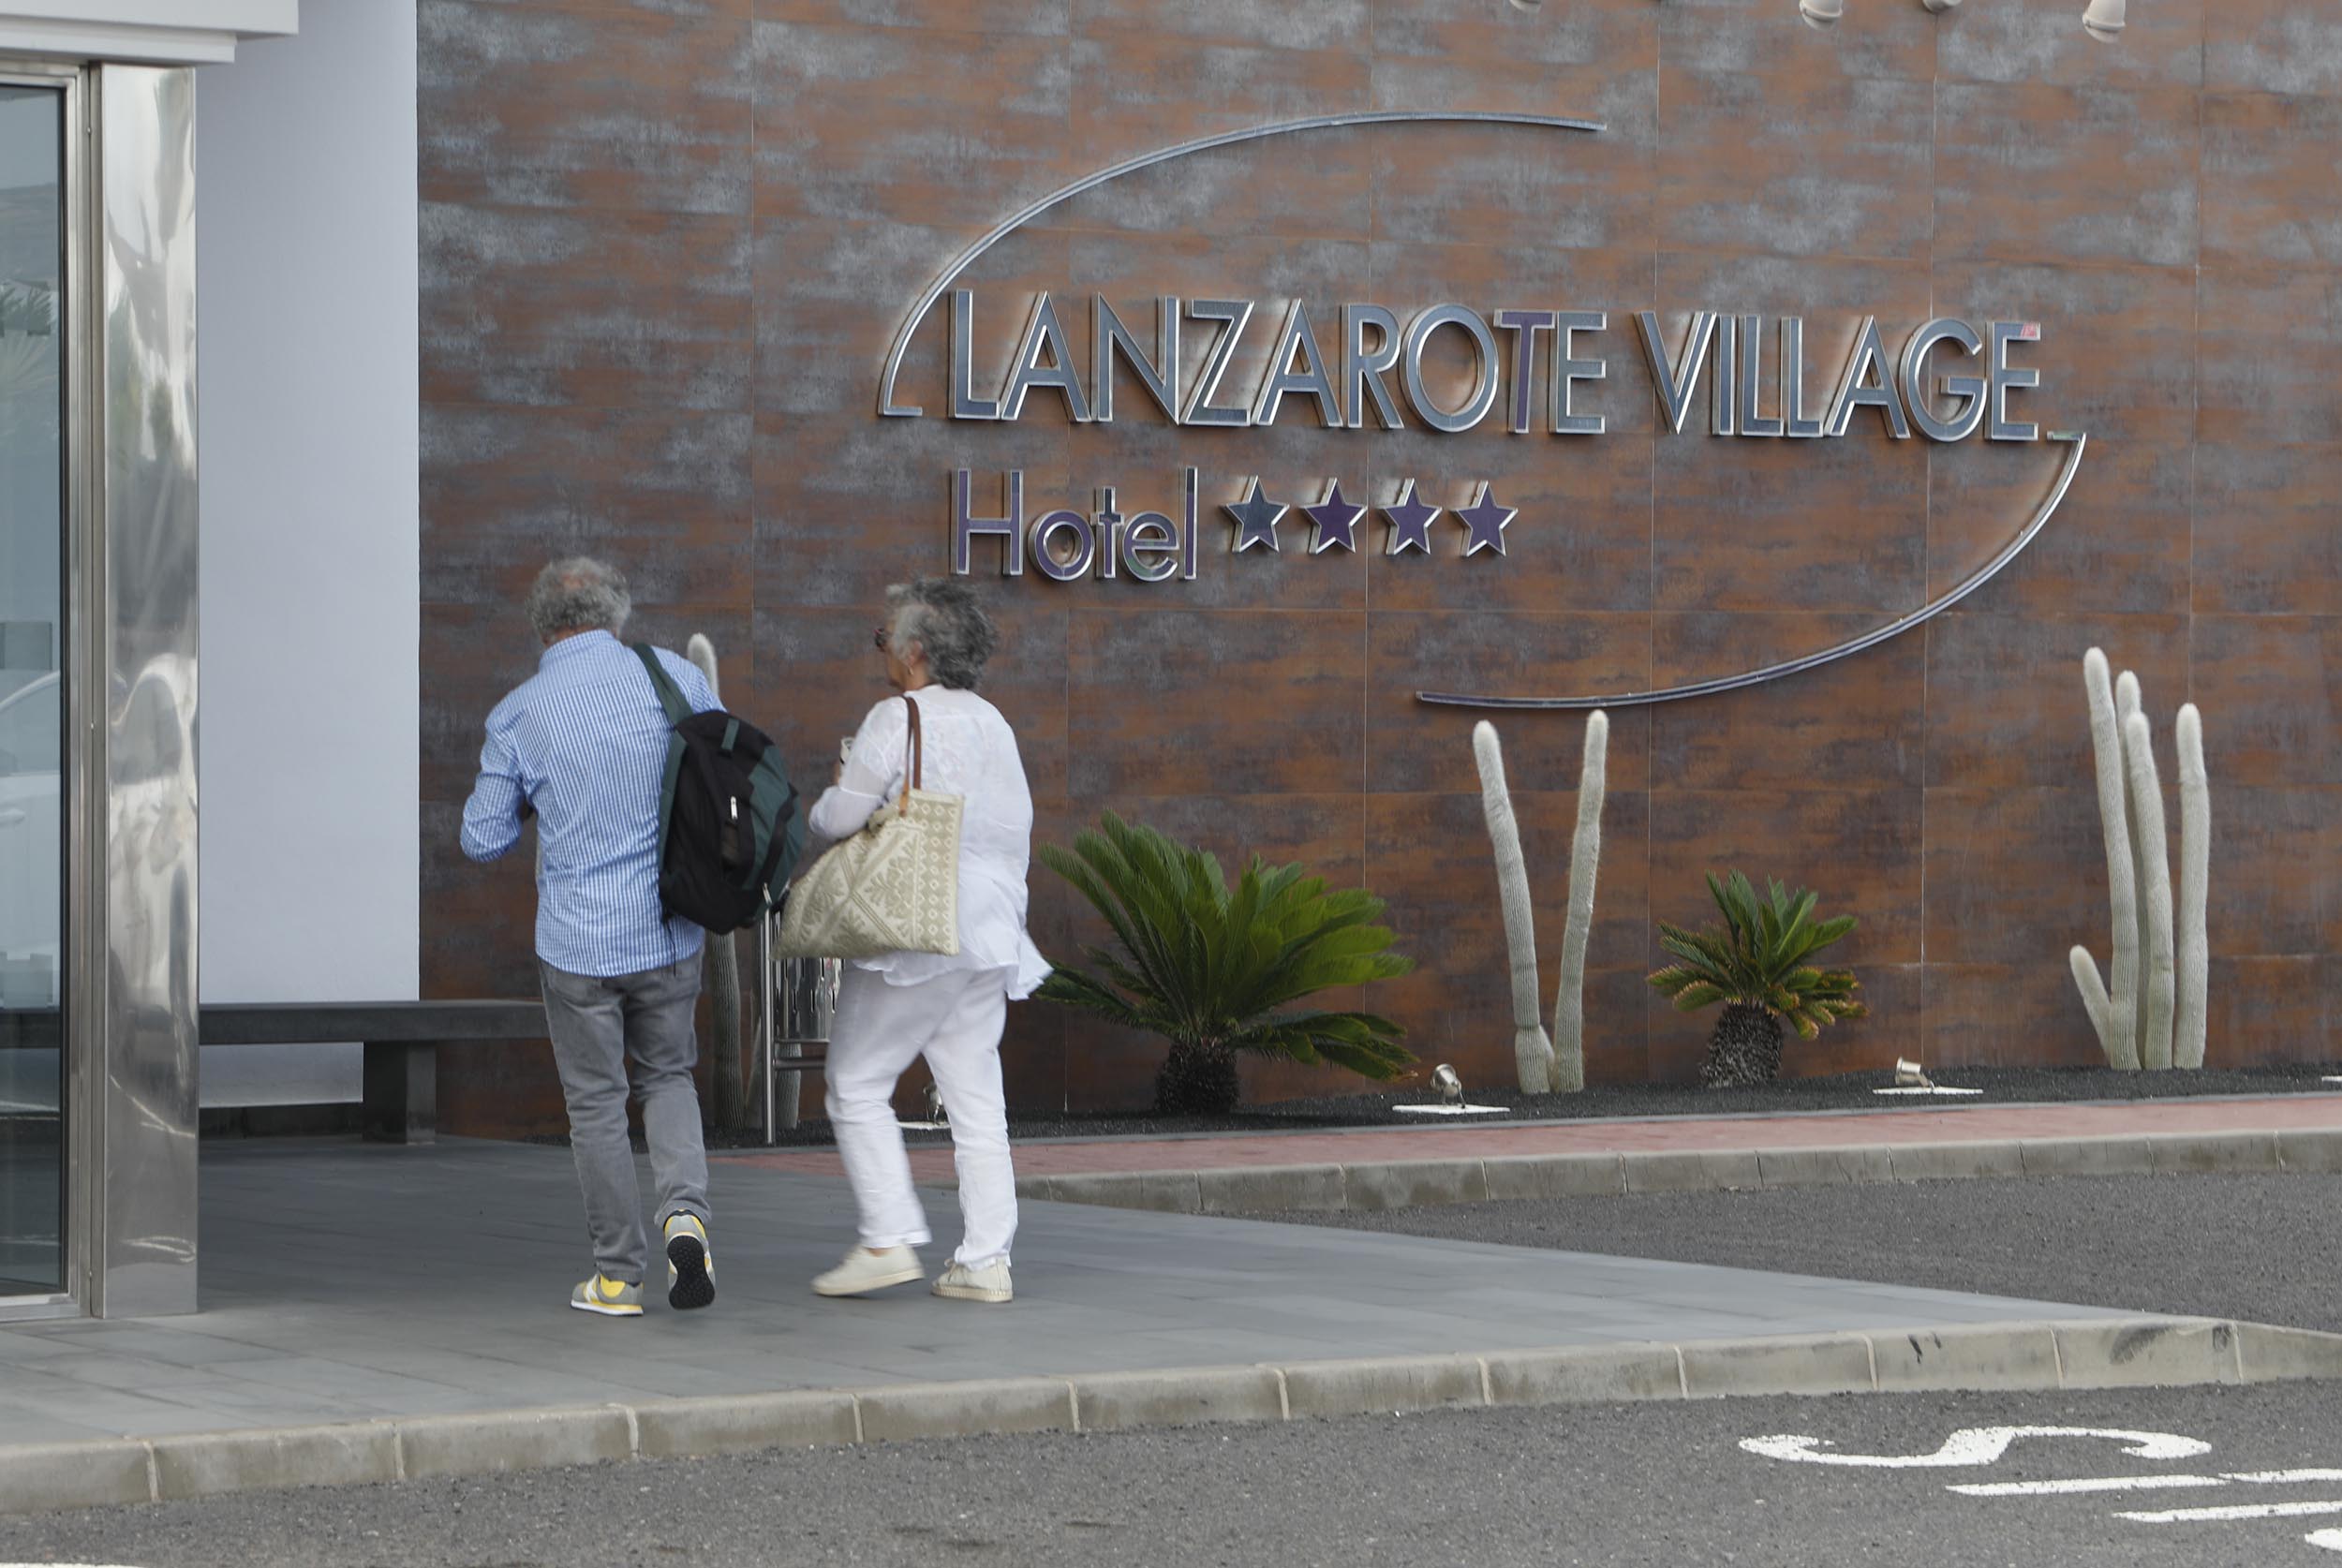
x: 942, y: 615
x: 579, y: 594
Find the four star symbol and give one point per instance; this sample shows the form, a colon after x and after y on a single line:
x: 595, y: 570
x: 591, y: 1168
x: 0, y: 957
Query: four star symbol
x: 1411, y: 521
x: 1334, y: 520
x: 1486, y: 518
x: 1256, y: 518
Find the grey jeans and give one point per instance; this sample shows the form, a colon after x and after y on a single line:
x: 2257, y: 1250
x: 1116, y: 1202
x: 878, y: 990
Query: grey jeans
x: 596, y: 1024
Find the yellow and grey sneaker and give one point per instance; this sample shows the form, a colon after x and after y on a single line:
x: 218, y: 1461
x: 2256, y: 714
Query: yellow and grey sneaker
x: 691, y: 1270
x: 612, y: 1298
x: 986, y: 1282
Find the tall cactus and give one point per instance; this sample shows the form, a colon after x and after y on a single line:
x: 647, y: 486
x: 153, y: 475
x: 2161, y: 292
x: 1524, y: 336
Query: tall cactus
x: 2195, y: 872
x: 723, y: 963
x: 1585, y: 860
x: 1533, y: 1052
x: 2112, y: 1004
x: 2129, y: 704
x: 2154, y: 896
x: 2150, y: 1010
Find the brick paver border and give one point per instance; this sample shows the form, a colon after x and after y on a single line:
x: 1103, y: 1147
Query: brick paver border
x: 1375, y: 1169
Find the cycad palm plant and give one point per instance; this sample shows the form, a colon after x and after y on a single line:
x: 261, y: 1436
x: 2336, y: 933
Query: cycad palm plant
x: 1207, y: 967
x: 1757, y: 967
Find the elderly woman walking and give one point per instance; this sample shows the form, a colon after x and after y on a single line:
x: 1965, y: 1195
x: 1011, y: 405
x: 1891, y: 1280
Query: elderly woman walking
x: 950, y: 1009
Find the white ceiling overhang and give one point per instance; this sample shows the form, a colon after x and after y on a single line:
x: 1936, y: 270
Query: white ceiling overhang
x: 147, y: 31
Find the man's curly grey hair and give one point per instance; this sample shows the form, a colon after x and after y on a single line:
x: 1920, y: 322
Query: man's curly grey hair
x: 943, y: 616
x: 579, y: 594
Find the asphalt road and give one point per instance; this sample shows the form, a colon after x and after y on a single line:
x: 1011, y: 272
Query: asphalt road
x: 1619, y: 1486
x: 2254, y: 1246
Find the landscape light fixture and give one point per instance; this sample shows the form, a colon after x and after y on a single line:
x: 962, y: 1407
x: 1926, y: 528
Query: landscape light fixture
x: 1450, y: 1086
x: 1821, y: 13
x: 2103, y: 20
x: 1939, y: 6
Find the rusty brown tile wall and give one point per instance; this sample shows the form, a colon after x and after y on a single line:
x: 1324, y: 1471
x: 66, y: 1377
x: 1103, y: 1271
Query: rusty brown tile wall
x: 666, y: 243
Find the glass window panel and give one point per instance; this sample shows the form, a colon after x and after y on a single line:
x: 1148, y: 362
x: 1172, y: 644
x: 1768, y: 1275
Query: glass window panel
x: 32, y: 691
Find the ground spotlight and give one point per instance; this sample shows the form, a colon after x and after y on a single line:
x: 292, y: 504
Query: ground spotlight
x: 1939, y: 5
x: 1450, y: 1086
x: 1820, y: 13
x: 2104, y: 19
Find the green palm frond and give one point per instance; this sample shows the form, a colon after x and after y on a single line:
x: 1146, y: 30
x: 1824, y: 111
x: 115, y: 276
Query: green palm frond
x: 1760, y: 957
x: 1209, y: 965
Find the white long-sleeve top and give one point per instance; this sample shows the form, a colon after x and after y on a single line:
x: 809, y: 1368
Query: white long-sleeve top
x: 969, y: 751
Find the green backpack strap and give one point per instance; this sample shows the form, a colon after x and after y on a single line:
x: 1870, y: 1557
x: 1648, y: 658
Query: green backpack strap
x: 670, y: 694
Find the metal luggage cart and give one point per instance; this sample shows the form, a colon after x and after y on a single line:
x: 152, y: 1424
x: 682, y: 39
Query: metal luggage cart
x: 798, y: 1002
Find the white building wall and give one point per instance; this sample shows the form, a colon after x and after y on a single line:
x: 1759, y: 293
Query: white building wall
x: 306, y: 233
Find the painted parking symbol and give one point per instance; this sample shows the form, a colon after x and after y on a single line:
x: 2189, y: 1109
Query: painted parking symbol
x: 1977, y: 1447
x: 1973, y: 1445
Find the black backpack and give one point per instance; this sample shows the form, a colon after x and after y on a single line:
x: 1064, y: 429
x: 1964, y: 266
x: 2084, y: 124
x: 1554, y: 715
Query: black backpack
x: 729, y: 832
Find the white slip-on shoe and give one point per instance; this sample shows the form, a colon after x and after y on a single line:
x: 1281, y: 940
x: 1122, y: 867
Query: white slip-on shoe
x: 988, y: 1283
x: 862, y: 1271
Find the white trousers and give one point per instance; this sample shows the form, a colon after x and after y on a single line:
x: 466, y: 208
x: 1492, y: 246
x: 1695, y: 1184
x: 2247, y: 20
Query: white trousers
x: 954, y: 1020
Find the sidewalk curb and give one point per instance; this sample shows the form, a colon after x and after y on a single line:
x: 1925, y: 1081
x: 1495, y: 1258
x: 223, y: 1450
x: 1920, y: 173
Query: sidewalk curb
x: 1374, y: 1185
x: 2083, y: 1354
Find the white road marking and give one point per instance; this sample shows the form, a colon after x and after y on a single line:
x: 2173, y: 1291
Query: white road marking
x: 2242, y: 1510
x: 2084, y: 1484
x: 2138, y: 1482
x: 2329, y: 1539
x: 1975, y: 1445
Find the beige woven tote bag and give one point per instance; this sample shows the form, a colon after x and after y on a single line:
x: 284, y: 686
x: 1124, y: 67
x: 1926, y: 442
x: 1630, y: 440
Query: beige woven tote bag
x: 893, y: 887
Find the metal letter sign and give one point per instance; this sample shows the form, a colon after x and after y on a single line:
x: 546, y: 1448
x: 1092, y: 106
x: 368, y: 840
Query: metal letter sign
x: 1331, y: 363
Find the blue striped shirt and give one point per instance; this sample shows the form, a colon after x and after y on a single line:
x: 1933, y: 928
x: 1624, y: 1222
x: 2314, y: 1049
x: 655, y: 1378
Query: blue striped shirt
x: 584, y: 741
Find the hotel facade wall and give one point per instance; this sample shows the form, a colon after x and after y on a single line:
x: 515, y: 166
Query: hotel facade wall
x: 665, y: 246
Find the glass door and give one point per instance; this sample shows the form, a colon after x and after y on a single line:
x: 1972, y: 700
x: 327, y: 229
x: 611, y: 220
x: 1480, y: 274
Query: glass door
x: 33, y: 520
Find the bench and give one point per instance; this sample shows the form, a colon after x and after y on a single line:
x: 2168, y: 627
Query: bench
x: 399, y: 1097
x: 400, y: 1093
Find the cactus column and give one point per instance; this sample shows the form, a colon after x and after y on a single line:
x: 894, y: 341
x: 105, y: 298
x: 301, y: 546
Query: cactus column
x: 2111, y: 1004
x: 2154, y: 862
x: 2195, y: 873
x: 1533, y: 1052
x: 1585, y: 860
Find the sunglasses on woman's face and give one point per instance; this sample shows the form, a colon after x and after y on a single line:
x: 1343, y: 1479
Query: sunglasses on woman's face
x: 879, y: 638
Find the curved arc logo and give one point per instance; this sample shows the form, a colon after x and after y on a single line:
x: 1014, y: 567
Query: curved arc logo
x: 1725, y: 349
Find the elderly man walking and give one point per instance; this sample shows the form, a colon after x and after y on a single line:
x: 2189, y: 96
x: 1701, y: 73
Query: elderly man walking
x: 581, y: 745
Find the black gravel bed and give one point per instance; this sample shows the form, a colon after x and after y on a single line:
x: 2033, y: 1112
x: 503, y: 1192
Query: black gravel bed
x: 1850, y: 1091
x: 2259, y: 1248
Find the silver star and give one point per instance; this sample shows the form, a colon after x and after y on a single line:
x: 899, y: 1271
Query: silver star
x: 1486, y: 519
x: 1411, y: 521
x: 1333, y: 520
x: 1256, y: 517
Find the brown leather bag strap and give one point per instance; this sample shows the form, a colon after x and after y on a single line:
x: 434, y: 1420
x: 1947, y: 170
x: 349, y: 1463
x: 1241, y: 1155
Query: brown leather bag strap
x: 917, y: 757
